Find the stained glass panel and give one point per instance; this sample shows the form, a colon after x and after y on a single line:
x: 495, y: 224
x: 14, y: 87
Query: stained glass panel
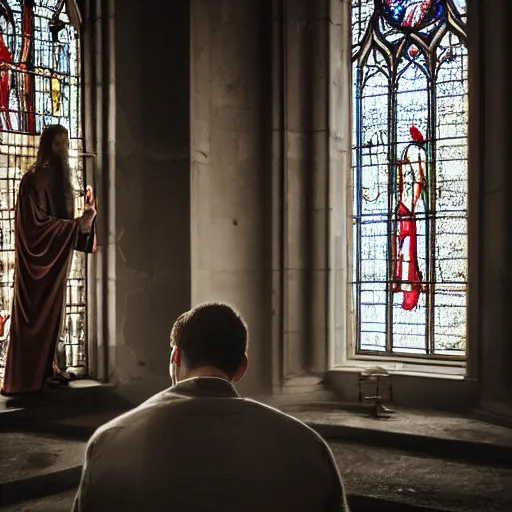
x: 39, y: 85
x: 410, y: 117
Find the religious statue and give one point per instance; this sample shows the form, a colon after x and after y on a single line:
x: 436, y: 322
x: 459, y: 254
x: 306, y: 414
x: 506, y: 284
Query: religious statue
x: 46, y: 233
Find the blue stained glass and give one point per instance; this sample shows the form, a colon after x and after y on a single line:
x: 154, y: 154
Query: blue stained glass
x: 413, y: 14
x: 41, y: 74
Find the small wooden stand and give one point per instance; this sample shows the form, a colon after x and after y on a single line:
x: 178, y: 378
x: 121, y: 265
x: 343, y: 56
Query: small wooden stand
x: 380, y: 392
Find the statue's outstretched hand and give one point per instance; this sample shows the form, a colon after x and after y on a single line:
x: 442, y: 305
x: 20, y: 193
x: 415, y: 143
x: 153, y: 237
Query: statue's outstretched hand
x: 3, y: 321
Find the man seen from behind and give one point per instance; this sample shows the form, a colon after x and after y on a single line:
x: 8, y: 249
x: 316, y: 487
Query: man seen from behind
x: 199, y: 447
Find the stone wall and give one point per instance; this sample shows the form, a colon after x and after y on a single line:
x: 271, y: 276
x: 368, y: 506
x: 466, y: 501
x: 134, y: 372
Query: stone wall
x: 223, y: 168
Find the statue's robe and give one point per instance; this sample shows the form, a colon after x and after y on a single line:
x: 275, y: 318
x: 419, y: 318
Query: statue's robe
x: 45, y: 235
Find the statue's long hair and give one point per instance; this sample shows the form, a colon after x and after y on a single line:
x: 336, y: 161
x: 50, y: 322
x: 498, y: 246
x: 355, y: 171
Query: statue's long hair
x: 58, y: 166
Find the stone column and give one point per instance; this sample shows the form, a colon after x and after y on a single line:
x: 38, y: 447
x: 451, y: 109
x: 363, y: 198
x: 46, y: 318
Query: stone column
x: 305, y: 187
x: 143, y: 180
x: 230, y: 242
x: 491, y: 162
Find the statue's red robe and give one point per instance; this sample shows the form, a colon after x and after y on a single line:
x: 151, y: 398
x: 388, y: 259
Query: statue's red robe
x: 44, y: 244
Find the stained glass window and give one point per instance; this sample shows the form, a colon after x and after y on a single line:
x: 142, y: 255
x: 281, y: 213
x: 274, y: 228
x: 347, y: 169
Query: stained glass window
x: 410, y: 187
x: 39, y: 85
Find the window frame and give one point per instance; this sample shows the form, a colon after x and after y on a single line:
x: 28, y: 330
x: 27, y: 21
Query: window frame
x: 342, y: 342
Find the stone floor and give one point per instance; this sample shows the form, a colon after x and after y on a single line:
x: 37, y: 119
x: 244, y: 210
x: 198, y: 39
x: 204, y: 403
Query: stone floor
x: 392, y: 474
x: 31, y: 455
x: 386, y: 473
x: 416, y: 458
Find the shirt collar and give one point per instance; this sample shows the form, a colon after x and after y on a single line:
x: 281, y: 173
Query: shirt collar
x: 205, y: 387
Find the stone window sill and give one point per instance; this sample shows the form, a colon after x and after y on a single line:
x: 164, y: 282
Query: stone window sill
x: 419, y: 367
x: 419, y: 386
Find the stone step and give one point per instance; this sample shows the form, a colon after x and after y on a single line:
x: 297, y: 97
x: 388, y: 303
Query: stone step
x: 38, y: 464
x: 450, y: 435
x: 60, y: 502
x: 437, y: 434
x: 81, y: 397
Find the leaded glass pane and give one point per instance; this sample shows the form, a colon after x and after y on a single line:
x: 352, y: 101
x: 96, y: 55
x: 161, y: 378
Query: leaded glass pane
x: 410, y: 118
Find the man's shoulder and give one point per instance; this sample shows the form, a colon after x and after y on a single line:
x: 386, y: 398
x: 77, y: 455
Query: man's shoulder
x: 136, y: 415
x: 287, y: 422
x: 281, y: 423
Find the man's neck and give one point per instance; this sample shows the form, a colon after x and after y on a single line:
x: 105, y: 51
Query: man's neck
x: 206, y: 371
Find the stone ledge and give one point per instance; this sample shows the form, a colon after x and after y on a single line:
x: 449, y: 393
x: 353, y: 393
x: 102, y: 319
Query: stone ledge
x: 81, y: 396
x: 411, y: 389
x: 40, y: 486
x: 35, y: 464
x: 442, y: 435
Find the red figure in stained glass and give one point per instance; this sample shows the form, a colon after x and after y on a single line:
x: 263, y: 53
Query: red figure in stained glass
x: 5, y: 68
x: 407, y: 276
x: 416, y: 135
x: 5, y: 64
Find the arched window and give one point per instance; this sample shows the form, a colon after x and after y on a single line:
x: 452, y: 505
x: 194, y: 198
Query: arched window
x: 410, y: 185
x: 39, y: 85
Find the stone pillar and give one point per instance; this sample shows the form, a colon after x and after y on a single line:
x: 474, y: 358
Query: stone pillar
x: 491, y: 162
x: 260, y: 138
x: 231, y: 171
x: 340, y: 332
x: 305, y: 128
x: 144, y: 189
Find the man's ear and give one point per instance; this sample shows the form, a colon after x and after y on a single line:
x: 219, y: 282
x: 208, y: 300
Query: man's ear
x: 176, y: 355
x: 241, y: 370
